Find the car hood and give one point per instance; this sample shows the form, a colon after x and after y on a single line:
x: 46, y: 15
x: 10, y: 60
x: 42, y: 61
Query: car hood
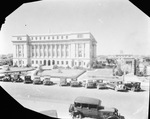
x: 108, y: 109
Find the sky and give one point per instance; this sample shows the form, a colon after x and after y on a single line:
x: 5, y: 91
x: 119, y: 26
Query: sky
x: 117, y: 25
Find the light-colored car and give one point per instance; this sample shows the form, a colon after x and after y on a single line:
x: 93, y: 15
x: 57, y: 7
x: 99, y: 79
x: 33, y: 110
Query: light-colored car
x: 47, y: 81
x: 117, y: 85
x: 63, y: 81
x: 89, y: 83
x: 37, y: 80
x: 101, y: 84
x: 75, y: 82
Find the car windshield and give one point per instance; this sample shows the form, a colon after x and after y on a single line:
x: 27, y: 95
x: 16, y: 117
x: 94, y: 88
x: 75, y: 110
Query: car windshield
x: 37, y: 77
x: 47, y: 79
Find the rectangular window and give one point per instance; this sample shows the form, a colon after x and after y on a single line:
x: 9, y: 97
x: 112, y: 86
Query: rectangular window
x: 32, y: 61
x: 40, y: 62
x: 79, y: 50
x: 66, y: 62
x: 36, y: 62
x: 57, y: 62
x: 80, y: 35
x: 32, y: 51
x: 62, y: 62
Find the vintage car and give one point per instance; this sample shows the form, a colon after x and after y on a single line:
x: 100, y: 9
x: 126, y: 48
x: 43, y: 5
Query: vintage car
x: 27, y: 79
x: 63, y: 81
x: 101, y: 84
x: 47, y: 81
x: 89, y: 83
x: 37, y: 80
x: 17, y: 78
x: 7, y: 78
x: 75, y: 82
x: 133, y: 86
x: 91, y: 108
x: 117, y: 85
x: 2, y: 76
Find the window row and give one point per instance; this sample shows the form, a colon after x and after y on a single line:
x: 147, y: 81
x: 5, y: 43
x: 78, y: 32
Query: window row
x: 48, y: 37
x: 49, y: 62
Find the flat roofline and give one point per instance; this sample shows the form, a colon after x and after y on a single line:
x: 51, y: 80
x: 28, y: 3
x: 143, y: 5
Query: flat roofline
x: 52, y: 34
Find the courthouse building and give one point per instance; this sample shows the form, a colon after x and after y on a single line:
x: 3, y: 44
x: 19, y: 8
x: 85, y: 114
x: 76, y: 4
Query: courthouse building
x: 63, y: 49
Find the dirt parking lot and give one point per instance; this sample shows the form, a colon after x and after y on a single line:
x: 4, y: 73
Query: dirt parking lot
x: 132, y: 105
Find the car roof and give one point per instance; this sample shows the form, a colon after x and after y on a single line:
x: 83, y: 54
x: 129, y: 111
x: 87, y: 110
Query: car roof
x: 87, y: 100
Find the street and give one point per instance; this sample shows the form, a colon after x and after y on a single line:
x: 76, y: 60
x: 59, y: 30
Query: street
x: 132, y: 105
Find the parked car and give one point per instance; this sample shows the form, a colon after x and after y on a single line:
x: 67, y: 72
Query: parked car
x: 133, y: 86
x: 75, y: 82
x: 37, y: 80
x: 63, y: 81
x: 91, y: 107
x: 2, y: 76
x: 47, y: 81
x: 117, y: 86
x: 17, y: 78
x: 27, y: 79
x: 89, y: 83
x: 101, y: 84
x: 7, y: 78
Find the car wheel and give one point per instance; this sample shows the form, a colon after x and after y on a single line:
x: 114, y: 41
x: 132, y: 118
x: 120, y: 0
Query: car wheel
x: 79, y: 116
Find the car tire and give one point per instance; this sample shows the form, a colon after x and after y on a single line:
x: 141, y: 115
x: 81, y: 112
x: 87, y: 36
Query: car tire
x: 79, y: 116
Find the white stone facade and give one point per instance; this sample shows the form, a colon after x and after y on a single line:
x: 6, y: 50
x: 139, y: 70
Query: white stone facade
x: 67, y: 49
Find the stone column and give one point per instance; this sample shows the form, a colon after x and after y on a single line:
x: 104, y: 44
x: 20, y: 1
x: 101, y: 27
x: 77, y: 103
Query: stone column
x: 52, y: 50
x: 22, y: 50
x: 83, y: 50
x: 64, y: 50
x: 39, y: 50
x: 48, y: 50
x: 16, y: 51
x: 77, y: 49
x: 60, y: 50
x: 35, y: 51
x: 43, y: 51
x: 56, y: 50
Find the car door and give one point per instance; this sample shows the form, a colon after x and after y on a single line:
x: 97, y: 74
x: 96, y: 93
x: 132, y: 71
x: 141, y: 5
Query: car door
x: 93, y: 111
x: 111, y: 85
x: 85, y: 110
